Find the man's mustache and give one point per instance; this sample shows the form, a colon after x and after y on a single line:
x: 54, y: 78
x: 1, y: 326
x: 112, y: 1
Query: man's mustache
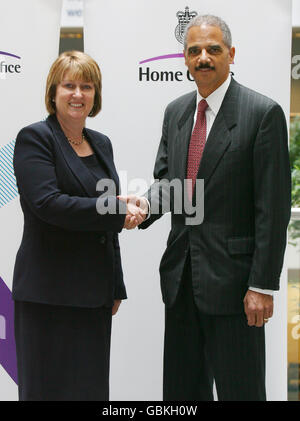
x: 204, y: 66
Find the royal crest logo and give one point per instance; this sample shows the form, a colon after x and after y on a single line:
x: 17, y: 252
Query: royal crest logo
x: 183, y: 19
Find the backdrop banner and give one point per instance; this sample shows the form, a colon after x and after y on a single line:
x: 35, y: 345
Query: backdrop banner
x: 29, y: 34
x: 138, y: 45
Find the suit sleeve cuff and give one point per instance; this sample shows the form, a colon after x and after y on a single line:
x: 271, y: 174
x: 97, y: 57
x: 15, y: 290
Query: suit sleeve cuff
x: 149, y: 211
x: 262, y: 291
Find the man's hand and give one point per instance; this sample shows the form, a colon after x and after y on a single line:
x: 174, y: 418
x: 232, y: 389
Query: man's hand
x: 258, y: 308
x: 116, y: 306
x: 137, y: 209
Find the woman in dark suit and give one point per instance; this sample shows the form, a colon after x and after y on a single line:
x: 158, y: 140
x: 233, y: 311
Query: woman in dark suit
x: 68, y: 277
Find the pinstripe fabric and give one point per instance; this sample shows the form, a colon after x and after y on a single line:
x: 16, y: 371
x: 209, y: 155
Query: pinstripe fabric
x: 247, y: 184
x: 239, y: 244
x: 200, y: 348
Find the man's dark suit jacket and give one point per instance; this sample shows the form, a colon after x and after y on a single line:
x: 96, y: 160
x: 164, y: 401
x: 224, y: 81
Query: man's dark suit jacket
x: 245, y: 168
x: 69, y: 254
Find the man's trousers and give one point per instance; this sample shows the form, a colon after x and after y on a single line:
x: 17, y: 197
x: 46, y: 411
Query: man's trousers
x: 200, y: 348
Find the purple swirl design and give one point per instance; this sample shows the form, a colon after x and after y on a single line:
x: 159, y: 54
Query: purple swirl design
x: 3, y: 53
x: 7, y: 338
x: 165, y: 57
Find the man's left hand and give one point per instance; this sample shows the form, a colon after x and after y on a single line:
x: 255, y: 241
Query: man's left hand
x: 258, y: 308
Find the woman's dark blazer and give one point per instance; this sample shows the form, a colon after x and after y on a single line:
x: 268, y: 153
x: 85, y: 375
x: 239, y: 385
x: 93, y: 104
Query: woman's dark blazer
x: 69, y: 254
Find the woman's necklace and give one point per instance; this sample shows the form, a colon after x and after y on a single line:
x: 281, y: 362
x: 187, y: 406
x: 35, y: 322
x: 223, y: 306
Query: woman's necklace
x: 77, y: 143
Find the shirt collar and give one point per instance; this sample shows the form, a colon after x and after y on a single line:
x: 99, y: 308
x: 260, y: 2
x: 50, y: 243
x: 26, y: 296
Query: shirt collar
x: 215, y: 99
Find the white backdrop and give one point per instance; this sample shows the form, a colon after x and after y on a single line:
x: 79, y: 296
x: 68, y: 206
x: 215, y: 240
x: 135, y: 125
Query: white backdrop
x: 119, y: 35
x: 296, y: 13
x: 30, y: 30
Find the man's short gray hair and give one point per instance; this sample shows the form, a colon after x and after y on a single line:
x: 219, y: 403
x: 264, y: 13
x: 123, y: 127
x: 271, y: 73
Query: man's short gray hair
x: 210, y: 20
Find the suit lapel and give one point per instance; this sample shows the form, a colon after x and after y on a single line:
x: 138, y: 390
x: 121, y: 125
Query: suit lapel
x: 219, y: 137
x: 216, y: 144
x: 185, y: 125
x: 79, y: 170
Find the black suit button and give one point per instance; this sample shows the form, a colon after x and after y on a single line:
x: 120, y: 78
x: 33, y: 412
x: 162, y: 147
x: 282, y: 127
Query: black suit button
x: 102, y: 239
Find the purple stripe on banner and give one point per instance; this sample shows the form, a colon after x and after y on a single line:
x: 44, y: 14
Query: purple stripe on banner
x: 8, y: 357
x: 3, y: 53
x: 162, y: 57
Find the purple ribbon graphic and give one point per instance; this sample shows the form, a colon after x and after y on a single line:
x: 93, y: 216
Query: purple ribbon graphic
x: 162, y: 57
x: 7, y: 338
x: 3, y: 53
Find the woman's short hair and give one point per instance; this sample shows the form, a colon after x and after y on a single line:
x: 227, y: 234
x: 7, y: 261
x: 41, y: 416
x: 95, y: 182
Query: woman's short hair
x: 81, y: 67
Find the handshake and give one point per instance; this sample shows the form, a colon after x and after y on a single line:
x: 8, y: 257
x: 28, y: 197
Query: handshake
x: 137, y: 210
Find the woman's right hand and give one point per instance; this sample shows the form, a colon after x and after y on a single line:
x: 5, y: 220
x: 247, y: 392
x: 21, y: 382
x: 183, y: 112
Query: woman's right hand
x: 136, y: 211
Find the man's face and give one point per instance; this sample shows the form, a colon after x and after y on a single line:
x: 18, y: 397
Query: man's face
x: 207, y: 57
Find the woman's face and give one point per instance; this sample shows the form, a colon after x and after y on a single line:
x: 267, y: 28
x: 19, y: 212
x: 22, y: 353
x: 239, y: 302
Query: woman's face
x: 74, y: 99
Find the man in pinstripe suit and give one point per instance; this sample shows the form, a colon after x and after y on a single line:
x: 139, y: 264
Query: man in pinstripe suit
x: 217, y: 277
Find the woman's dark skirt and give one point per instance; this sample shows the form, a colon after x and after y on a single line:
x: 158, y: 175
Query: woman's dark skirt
x: 62, y: 352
